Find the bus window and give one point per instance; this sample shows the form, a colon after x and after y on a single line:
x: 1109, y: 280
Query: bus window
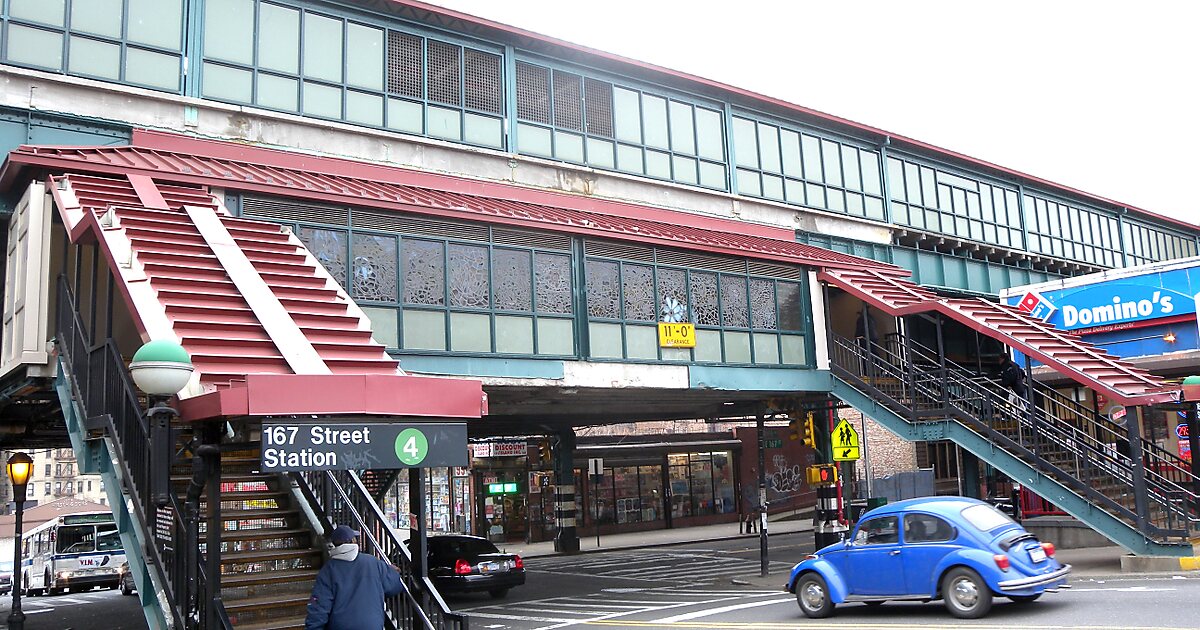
x: 107, y: 538
x: 76, y: 539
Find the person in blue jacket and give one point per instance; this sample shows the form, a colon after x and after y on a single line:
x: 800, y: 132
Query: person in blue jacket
x: 350, y: 588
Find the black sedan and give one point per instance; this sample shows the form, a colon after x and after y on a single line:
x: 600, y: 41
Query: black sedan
x: 460, y: 564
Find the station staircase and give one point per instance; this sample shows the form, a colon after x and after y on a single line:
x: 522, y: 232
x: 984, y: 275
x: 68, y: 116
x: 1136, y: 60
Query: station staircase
x: 243, y: 297
x: 1130, y: 490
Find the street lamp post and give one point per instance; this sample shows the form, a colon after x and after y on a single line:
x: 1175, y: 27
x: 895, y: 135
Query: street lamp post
x: 20, y: 466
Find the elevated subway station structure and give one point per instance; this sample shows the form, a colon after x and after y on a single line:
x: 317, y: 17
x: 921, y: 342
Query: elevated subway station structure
x: 471, y: 231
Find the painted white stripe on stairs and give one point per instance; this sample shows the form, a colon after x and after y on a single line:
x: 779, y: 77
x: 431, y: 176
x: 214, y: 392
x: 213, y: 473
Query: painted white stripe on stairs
x: 293, y: 345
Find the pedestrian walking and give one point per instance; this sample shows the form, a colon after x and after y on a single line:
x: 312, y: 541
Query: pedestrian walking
x: 1013, y: 377
x: 350, y: 588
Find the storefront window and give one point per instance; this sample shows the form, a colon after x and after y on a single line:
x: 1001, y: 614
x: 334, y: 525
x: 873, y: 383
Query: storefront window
x: 701, y: 483
x: 628, y: 498
x: 681, y: 491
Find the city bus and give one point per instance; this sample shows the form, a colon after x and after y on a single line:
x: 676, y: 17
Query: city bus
x: 72, y: 552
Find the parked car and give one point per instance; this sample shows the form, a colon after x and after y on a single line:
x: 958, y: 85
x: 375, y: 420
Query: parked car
x: 459, y: 563
x: 6, y: 578
x: 962, y: 551
x: 126, y: 580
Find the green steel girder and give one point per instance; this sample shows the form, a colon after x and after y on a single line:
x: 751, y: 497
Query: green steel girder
x: 1050, y: 489
x: 99, y: 456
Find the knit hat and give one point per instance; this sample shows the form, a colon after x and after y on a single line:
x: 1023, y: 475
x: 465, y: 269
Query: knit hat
x: 342, y: 535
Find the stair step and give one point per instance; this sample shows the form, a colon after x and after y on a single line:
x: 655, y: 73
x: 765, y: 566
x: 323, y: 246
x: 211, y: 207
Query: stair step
x: 270, y: 577
x: 268, y: 533
x: 289, y: 623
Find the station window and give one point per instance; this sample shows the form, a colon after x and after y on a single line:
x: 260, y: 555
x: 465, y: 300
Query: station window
x: 569, y: 117
x: 739, y: 318
x: 942, y: 202
x: 1065, y: 231
x: 331, y: 67
x: 1146, y: 244
x: 778, y: 163
x: 138, y: 42
x: 438, y: 294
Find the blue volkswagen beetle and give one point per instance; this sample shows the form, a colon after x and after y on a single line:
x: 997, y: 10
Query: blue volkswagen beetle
x: 962, y: 551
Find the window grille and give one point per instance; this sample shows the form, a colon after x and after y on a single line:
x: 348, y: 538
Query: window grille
x: 568, y: 111
x: 483, y: 89
x: 405, y: 70
x: 597, y: 98
x: 533, y: 93
x: 445, y: 73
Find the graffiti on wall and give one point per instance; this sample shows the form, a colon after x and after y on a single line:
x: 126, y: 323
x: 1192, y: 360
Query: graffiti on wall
x: 786, y: 479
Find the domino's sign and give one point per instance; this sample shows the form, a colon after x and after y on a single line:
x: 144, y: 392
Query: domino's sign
x: 1115, y: 303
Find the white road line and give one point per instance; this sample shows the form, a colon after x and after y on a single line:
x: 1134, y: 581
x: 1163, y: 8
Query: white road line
x: 597, y: 605
x: 524, y: 618
x: 717, y: 611
x: 71, y: 600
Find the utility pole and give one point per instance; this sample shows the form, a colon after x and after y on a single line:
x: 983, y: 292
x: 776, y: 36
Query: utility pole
x: 762, y: 496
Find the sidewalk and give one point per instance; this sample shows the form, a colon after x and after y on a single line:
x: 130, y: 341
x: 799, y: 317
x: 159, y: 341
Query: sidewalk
x: 1089, y: 562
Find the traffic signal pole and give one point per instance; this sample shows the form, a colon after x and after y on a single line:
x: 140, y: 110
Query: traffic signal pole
x: 762, y: 497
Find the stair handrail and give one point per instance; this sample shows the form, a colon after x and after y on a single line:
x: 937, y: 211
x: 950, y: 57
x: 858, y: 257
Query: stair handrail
x: 977, y: 395
x: 102, y: 387
x: 341, y: 497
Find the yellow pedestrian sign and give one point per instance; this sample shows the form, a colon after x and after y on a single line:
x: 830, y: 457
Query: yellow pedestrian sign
x: 845, y: 442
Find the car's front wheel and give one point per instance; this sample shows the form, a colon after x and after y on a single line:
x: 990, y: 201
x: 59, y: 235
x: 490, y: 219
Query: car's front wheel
x: 966, y: 595
x: 812, y: 593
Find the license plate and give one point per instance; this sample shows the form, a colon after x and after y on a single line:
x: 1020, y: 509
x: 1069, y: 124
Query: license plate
x: 492, y: 567
x: 1037, y: 554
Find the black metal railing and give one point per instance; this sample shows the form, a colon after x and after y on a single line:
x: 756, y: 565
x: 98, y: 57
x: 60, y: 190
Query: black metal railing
x: 1050, y: 432
x: 102, y: 387
x: 341, y: 498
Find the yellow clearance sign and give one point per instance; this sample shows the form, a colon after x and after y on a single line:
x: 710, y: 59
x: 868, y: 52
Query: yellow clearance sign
x: 678, y: 335
x: 845, y: 442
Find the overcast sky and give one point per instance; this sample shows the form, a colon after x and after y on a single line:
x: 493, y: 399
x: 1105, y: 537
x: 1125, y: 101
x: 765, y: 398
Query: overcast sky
x: 1096, y: 95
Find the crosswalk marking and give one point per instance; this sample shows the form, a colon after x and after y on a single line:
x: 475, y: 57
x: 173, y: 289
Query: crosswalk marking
x: 688, y: 567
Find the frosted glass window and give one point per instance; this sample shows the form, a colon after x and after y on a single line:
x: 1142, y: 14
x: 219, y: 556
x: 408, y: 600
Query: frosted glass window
x: 654, y: 121
x: 737, y: 347
x: 568, y: 147
x: 322, y: 48
x: 600, y: 153
x: 514, y: 335
x: 322, y: 100
x: 748, y: 183
x: 34, y: 47
x: 383, y: 326
x: 605, y: 340
x: 555, y: 336
x: 470, y: 332
x: 278, y: 38
x: 683, y: 131
x: 534, y: 140
x: 627, y: 115
x: 768, y: 147
x: 811, y: 149
x: 641, y: 342
x: 225, y: 83
x: 709, y: 139
x: 405, y: 116
x: 229, y: 30
x: 850, y: 167
x: 151, y: 68
x: 789, y: 142
x: 44, y: 11
x: 766, y: 348
x: 870, y: 172
x: 364, y: 56
x: 94, y: 58
x: 445, y: 123
x: 629, y: 159
x: 278, y: 92
x: 708, y: 346
x: 793, y: 349
x: 745, y: 143
x: 364, y: 108
x: 424, y: 330
x: 833, y: 163
x: 483, y: 130
x: 772, y: 187
x: 658, y: 164
x: 685, y: 169
x: 155, y: 22
x: 712, y: 175
x: 99, y: 17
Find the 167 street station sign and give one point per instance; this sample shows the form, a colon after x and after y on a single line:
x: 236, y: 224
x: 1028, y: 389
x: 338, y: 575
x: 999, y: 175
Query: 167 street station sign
x: 291, y: 446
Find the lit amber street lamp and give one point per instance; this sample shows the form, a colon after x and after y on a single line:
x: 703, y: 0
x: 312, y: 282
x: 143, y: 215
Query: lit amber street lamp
x: 20, y: 467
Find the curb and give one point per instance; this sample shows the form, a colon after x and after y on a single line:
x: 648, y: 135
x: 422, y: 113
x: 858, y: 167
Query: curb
x: 669, y: 543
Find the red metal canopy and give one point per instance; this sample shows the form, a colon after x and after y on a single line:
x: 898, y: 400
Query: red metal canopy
x: 1062, y: 351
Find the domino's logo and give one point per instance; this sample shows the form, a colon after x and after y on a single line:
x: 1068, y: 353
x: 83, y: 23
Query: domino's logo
x: 1036, y: 306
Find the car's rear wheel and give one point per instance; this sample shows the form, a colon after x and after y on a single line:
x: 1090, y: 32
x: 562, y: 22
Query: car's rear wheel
x: 966, y: 595
x: 498, y: 593
x: 812, y: 593
x: 1024, y: 599
x: 126, y: 588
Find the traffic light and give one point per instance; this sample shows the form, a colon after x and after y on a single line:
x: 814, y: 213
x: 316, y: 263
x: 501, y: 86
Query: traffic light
x: 810, y: 436
x: 794, y: 423
x: 544, y: 454
x: 822, y: 474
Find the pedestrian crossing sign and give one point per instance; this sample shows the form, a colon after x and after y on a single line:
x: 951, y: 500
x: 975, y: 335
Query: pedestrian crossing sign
x: 845, y: 442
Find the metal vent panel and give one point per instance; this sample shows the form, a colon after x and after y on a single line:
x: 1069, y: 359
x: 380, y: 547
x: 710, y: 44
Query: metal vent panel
x: 701, y: 261
x: 533, y: 93
x: 776, y: 271
x: 405, y: 71
x: 282, y: 210
x: 483, y: 89
x: 624, y: 251
x: 403, y: 224
x: 568, y: 101
x: 540, y: 240
x: 597, y: 100
x: 445, y: 72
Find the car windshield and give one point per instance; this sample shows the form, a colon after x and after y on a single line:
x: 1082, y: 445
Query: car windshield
x: 985, y: 517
